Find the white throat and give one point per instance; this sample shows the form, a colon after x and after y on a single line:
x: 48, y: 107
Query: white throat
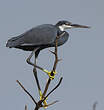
x: 62, y: 28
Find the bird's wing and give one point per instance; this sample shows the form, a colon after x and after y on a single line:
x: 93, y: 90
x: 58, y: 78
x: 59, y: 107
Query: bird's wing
x: 40, y: 35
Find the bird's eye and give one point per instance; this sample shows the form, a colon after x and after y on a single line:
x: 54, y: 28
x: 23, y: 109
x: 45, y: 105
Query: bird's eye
x: 67, y: 23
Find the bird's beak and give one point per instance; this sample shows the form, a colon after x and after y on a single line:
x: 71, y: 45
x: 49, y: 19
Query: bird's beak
x: 79, y: 26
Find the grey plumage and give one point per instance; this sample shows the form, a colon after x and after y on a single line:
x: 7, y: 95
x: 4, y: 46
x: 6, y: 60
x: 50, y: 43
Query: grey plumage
x: 42, y: 36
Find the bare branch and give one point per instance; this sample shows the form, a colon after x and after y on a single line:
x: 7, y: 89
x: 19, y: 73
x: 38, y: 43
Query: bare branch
x: 36, y: 78
x: 26, y: 92
x: 54, y: 88
x: 46, y: 88
x: 54, y: 68
x: 51, y: 103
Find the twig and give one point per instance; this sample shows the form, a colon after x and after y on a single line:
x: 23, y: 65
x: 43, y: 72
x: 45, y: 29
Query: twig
x: 26, y: 92
x: 36, y: 78
x: 51, y: 103
x: 54, y: 88
x: 54, y: 68
x: 46, y: 87
x: 39, y: 104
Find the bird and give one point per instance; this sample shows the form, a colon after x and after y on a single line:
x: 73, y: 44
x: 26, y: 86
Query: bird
x: 41, y: 37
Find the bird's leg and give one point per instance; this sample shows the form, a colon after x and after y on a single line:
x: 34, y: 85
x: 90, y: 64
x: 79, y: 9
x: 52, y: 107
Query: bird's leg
x: 36, y: 78
x: 28, y: 59
x: 30, y: 63
x: 44, y: 70
x: 35, y: 74
x: 51, y: 74
x: 37, y: 81
x: 34, y: 70
x: 39, y: 89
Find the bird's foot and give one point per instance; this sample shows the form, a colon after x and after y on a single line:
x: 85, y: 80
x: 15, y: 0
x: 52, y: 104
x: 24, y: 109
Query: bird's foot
x: 41, y: 98
x: 51, y: 74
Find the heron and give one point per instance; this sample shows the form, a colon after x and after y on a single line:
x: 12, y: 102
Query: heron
x: 41, y: 37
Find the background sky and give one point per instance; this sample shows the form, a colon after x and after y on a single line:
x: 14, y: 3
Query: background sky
x: 83, y: 55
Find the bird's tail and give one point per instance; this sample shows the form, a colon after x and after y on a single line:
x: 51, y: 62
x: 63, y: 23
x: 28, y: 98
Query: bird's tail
x: 13, y: 42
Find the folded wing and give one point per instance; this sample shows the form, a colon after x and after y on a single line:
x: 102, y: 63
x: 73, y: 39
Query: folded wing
x: 41, y: 35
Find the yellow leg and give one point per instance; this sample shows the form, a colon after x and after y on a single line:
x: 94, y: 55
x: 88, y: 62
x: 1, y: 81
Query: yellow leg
x: 45, y: 103
x: 51, y: 74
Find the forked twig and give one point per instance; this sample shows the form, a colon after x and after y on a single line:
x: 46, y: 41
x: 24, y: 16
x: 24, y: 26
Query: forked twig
x: 39, y: 103
x: 54, y: 88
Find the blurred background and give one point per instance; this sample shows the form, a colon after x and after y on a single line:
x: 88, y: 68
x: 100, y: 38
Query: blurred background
x: 82, y: 65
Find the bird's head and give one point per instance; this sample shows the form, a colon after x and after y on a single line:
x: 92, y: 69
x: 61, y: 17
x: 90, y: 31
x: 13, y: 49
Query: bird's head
x: 68, y: 25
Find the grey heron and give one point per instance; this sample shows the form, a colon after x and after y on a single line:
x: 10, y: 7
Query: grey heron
x: 41, y: 37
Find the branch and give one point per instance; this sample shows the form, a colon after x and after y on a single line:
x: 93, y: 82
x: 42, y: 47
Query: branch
x: 54, y: 88
x: 56, y: 56
x: 46, y: 87
x: 54, y: 67
x: 27, y: 92
x: 51, y: 103
x: 39, y: 104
